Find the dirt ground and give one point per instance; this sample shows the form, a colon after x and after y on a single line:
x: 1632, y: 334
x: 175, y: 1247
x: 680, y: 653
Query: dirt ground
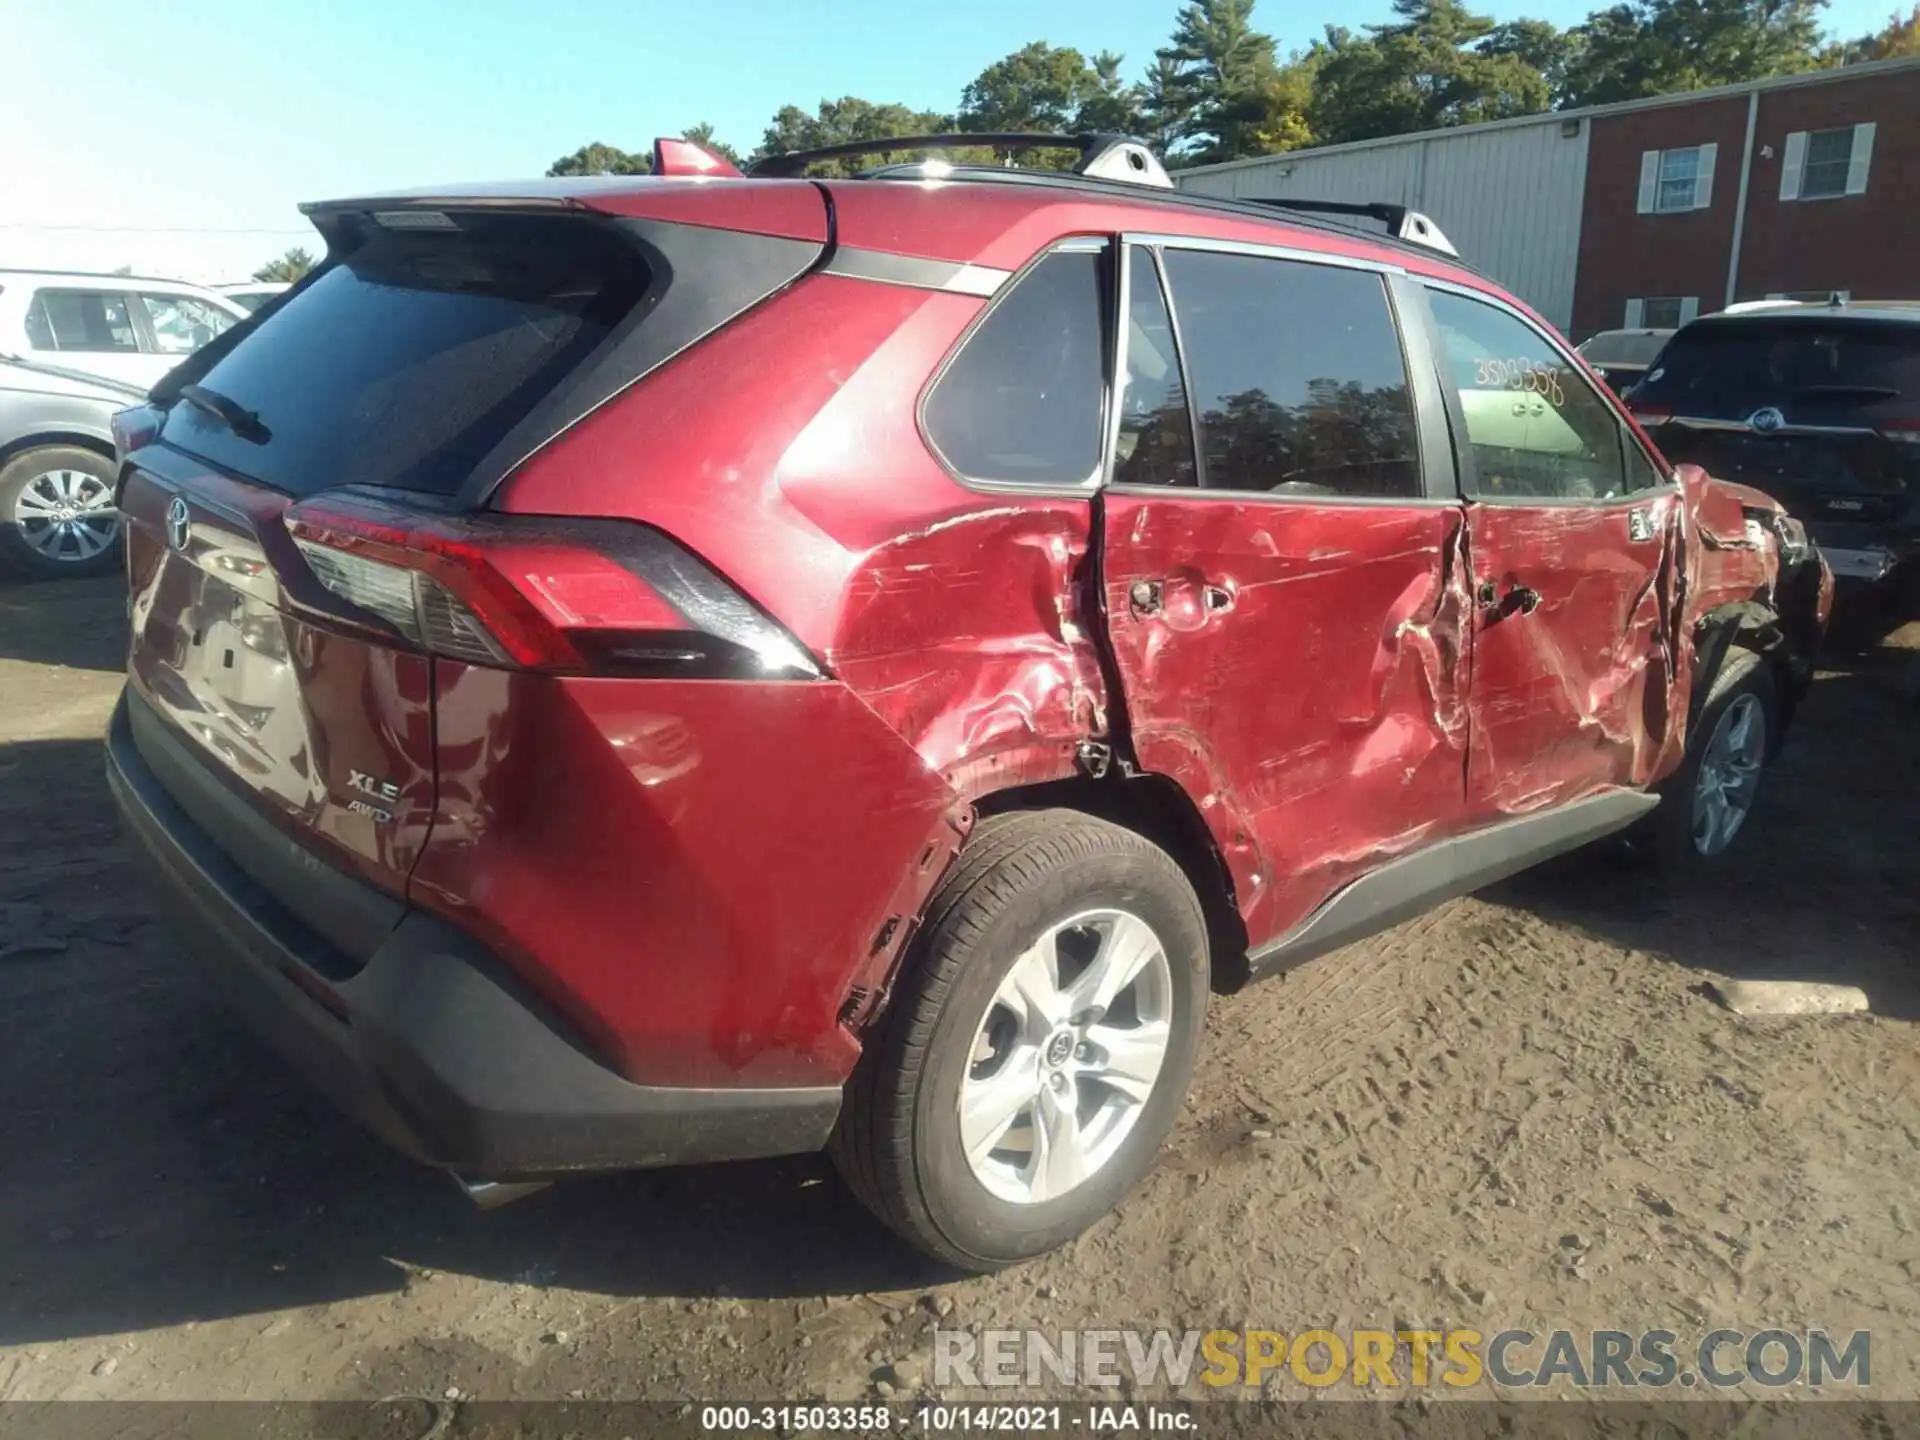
x: 1523, y: 1111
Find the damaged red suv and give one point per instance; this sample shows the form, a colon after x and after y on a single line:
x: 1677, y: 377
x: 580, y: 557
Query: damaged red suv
x: 643, y: 671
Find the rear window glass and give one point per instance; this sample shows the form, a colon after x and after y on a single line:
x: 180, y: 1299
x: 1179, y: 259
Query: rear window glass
x: 1807, y: 371
x: 406, y: 363
x: 1023, y: 402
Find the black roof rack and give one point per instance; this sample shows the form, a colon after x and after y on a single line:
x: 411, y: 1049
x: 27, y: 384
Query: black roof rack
x: 1105, y: 156
x: 1117, y: 164
x: 1401, y: 222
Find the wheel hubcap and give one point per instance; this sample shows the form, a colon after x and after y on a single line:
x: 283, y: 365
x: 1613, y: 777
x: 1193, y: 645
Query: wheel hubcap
x: 66, y: 515
x: 1066, y: 1056
x: 1729, y: 774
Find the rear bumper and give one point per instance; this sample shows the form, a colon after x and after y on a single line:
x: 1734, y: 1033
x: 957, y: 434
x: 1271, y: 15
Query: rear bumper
x: 431, y: 1043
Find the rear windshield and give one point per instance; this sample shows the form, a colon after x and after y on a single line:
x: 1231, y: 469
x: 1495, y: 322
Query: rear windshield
x: 406, y: 363
x: 1828, y: 371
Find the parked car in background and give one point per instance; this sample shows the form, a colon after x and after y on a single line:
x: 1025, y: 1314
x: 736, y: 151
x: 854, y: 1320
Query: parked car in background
x: 677, y: 669
x: 251, y: 295
x: 1622, y: 356
x: 127, y: 328
x: 57, y: 515
x: 1818, y: 406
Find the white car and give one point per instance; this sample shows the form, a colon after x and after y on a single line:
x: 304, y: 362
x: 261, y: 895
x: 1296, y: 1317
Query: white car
x: 251, y: 295
x: 123, y: 327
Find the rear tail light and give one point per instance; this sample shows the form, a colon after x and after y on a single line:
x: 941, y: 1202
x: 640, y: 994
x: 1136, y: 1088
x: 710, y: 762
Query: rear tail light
x: 570, y: 596
x: 1903, y: 432
x: 134, y: 427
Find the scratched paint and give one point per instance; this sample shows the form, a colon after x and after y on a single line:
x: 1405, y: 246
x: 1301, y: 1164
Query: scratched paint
x: 1571, y: 694
x: 967, y: 638
x: 1301, y: 677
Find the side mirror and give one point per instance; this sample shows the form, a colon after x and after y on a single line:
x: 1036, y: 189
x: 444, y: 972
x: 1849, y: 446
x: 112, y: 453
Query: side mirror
x: 200, y: 335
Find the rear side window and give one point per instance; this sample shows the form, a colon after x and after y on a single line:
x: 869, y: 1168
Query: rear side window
x: 1808, y: 370
x: 91, y: 321
x: 1297, y: 375
x: 1023, y: 401
x: 404, y: 364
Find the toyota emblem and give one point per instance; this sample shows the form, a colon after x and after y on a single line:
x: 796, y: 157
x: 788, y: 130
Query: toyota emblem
x: 179, y: 523
x: 1765, y: 422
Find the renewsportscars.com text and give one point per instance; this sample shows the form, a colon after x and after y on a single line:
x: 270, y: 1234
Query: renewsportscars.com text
x: 1392, y: 1359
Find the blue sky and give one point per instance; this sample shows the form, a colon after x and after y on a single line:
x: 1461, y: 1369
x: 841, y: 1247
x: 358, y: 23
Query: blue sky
x: 179, y: 139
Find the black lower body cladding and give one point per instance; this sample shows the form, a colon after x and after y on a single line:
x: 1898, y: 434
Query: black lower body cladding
x: 429, y: 1042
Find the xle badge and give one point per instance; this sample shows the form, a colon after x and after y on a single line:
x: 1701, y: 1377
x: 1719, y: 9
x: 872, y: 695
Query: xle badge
x: 384, y: 790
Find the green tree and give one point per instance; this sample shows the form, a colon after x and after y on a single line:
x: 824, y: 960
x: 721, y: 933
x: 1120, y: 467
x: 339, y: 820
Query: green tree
x: 1900, y: 39
x: 598, y: 159
x: 839, y: 122
x: 1218, y: 92
x: 1655, y: 47
x: 287, y: 269
x: 1038, y: 87
x: 1439, y: 64
x: 1113, y: 106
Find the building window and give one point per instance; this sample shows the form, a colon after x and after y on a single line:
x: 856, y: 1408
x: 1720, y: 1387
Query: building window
x: 1826, y: 164
x: 1661, y: 312
x: 1676, y: 180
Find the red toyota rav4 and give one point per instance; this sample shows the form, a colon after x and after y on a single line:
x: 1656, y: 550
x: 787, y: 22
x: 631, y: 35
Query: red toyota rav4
x: 670, y: 669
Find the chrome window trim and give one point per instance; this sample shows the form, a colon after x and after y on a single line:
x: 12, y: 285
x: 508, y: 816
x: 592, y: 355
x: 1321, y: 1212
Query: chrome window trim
x: 885, y: 267
x: 1160, y: 241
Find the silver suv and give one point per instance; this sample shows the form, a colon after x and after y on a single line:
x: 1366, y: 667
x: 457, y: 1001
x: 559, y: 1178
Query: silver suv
x: 122, y: 327
x: 73, y: 349
x: 56, y: 468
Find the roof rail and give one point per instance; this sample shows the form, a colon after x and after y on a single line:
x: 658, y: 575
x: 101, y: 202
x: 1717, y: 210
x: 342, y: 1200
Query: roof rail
x: 1402, y: 223
x: 1102, y: 156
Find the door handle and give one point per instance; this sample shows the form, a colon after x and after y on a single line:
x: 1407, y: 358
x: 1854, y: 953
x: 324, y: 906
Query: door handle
x: 1519, y: 599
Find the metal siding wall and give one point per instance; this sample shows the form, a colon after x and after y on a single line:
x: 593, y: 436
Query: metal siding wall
x: 1510, y: 199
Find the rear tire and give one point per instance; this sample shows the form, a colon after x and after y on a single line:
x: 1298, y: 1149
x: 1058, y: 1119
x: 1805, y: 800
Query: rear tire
x: 1070, y: 902
x: 41, y: 490
x: 1732, y: 740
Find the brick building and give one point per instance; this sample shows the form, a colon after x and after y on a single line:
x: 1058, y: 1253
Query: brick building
x: 1653, y: 211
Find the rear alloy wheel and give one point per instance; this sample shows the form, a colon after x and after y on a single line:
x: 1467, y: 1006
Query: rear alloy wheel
x: 57, y: 515
x: 1039, y: 1044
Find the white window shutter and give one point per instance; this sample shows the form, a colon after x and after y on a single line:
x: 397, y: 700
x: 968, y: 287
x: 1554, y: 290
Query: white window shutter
x: 1689, y: 308
x: 1635, y: 310
x: 1703, y: 178
x: 1792, y: 163
x: 1861, y: 159
x: 1649, y: 178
